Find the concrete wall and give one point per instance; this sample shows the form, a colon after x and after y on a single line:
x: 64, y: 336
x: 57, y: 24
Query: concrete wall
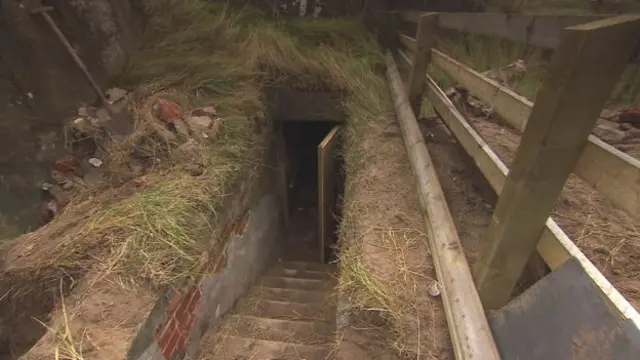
x: 179, y: 319
x: 40, y: 87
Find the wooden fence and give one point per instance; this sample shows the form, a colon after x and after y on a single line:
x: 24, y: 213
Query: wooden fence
x: 590, y: 54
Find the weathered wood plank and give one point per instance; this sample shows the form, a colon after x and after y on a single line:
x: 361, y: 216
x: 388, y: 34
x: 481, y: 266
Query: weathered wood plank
x: 613, y: 173
x: 554, y: 245
x: 427, y: 24
x: 581, y: 76
x: 470, y: 333
x: 537, y: 30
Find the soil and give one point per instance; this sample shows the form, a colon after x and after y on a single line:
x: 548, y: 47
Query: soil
x: 607, y: 235
x: 383, y: 219
x: 102, y: 318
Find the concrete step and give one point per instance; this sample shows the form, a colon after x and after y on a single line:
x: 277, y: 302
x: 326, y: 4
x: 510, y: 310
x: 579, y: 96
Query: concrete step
x: 297, y: 283
x: 288, y: 310
x: 236, y: 347
x: 280, y: 294
x: 297, y: 273
x: 301, y: 265
x: 290, y: 331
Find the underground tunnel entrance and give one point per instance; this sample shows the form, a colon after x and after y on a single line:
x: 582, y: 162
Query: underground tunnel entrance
x: 314, y: 181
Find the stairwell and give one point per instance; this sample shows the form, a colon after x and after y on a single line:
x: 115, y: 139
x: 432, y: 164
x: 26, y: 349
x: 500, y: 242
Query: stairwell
x: 288, y: 314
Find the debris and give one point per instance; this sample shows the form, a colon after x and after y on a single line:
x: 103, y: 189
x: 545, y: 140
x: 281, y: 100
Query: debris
x: 103, y: 116
x: 95, y: 162
x: 434, y: 289
x: 215, y: 129
x: 199, y: 123
x: 195, y: 169
x: 45, y: 186
x: 82, y: 111
x: 115, y: 94
x: 168, y: 111
x: 65, y: 164
x: 66, y: 184
x: 508, y: 74
x: 631, y: 116
x: 609, y: 133
x: 49, y: 210
x: 181, y: 128
x: 204, y: 111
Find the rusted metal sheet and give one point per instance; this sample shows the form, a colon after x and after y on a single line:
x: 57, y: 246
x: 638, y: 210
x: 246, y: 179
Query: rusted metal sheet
x: 564, y: 316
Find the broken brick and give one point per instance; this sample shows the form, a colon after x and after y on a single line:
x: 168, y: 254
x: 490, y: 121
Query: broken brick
x: 65, y: 164
x: 168, y: 110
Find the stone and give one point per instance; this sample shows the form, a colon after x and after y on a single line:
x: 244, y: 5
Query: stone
x: 168, y: 111
x: 199, y: 123
x: 95, y: 162
x: 195, y: 169
x: 103, y: 115
x: 181, y: 128
x: 115, y: 94
x: 83, y: 111
x: 434, y: 289
x: 204, y: 111
x: 66, y: 185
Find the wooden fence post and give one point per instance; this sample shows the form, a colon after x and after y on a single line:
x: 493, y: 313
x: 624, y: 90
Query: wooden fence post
x: 425, y: 40
x: 579, y: 80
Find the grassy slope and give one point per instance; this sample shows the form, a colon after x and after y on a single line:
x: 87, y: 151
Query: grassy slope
x: 144, y: 239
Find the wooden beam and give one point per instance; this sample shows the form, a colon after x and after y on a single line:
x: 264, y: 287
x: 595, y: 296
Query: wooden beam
x: 554, y: 245
x: 613, y: 173
x: 470, y: 332
x: 427, y: 25
x: 537, y: 30
x: 581, y: 76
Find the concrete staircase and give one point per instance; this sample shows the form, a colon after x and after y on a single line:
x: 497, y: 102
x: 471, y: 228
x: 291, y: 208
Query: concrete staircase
x: 288, y: 314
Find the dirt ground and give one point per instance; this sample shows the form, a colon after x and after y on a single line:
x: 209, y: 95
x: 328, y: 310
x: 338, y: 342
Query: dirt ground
x: 388, y: 259
x: 607, y: 236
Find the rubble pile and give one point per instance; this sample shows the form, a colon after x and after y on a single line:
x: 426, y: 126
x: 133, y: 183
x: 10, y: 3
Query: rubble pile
x: 99, y: 131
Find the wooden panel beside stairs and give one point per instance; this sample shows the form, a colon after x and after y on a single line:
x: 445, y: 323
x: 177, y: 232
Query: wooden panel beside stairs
x: 564, y: 316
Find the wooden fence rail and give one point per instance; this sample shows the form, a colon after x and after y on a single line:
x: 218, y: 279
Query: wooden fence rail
x: 606, y: 169
x: 610, y: 171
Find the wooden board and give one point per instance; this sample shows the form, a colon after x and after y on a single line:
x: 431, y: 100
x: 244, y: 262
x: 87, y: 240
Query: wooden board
x: 564, y: 316
x: 554, y: 245
x: 327, y: 152
x: 468, y: 328
x: 537, y: 30
x: 578, y: 82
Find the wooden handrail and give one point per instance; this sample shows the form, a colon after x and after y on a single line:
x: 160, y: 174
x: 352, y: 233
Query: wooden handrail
x: 538, y: 30
x: 468, y: 325
x: 613, y: 173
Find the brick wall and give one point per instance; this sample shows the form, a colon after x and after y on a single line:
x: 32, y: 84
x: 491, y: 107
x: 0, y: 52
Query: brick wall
x: 181, y: 313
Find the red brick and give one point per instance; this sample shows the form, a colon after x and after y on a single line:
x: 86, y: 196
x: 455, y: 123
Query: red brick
x: 164, y: 334
x: 65, y: 164
x: 171, y: 345
x: 169, y: 111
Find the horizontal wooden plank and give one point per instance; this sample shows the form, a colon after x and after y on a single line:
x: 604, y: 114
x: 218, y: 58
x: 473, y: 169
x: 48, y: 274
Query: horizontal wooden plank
x: 613, y: 173
x: 537, y: 30
x: 554, y: 246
